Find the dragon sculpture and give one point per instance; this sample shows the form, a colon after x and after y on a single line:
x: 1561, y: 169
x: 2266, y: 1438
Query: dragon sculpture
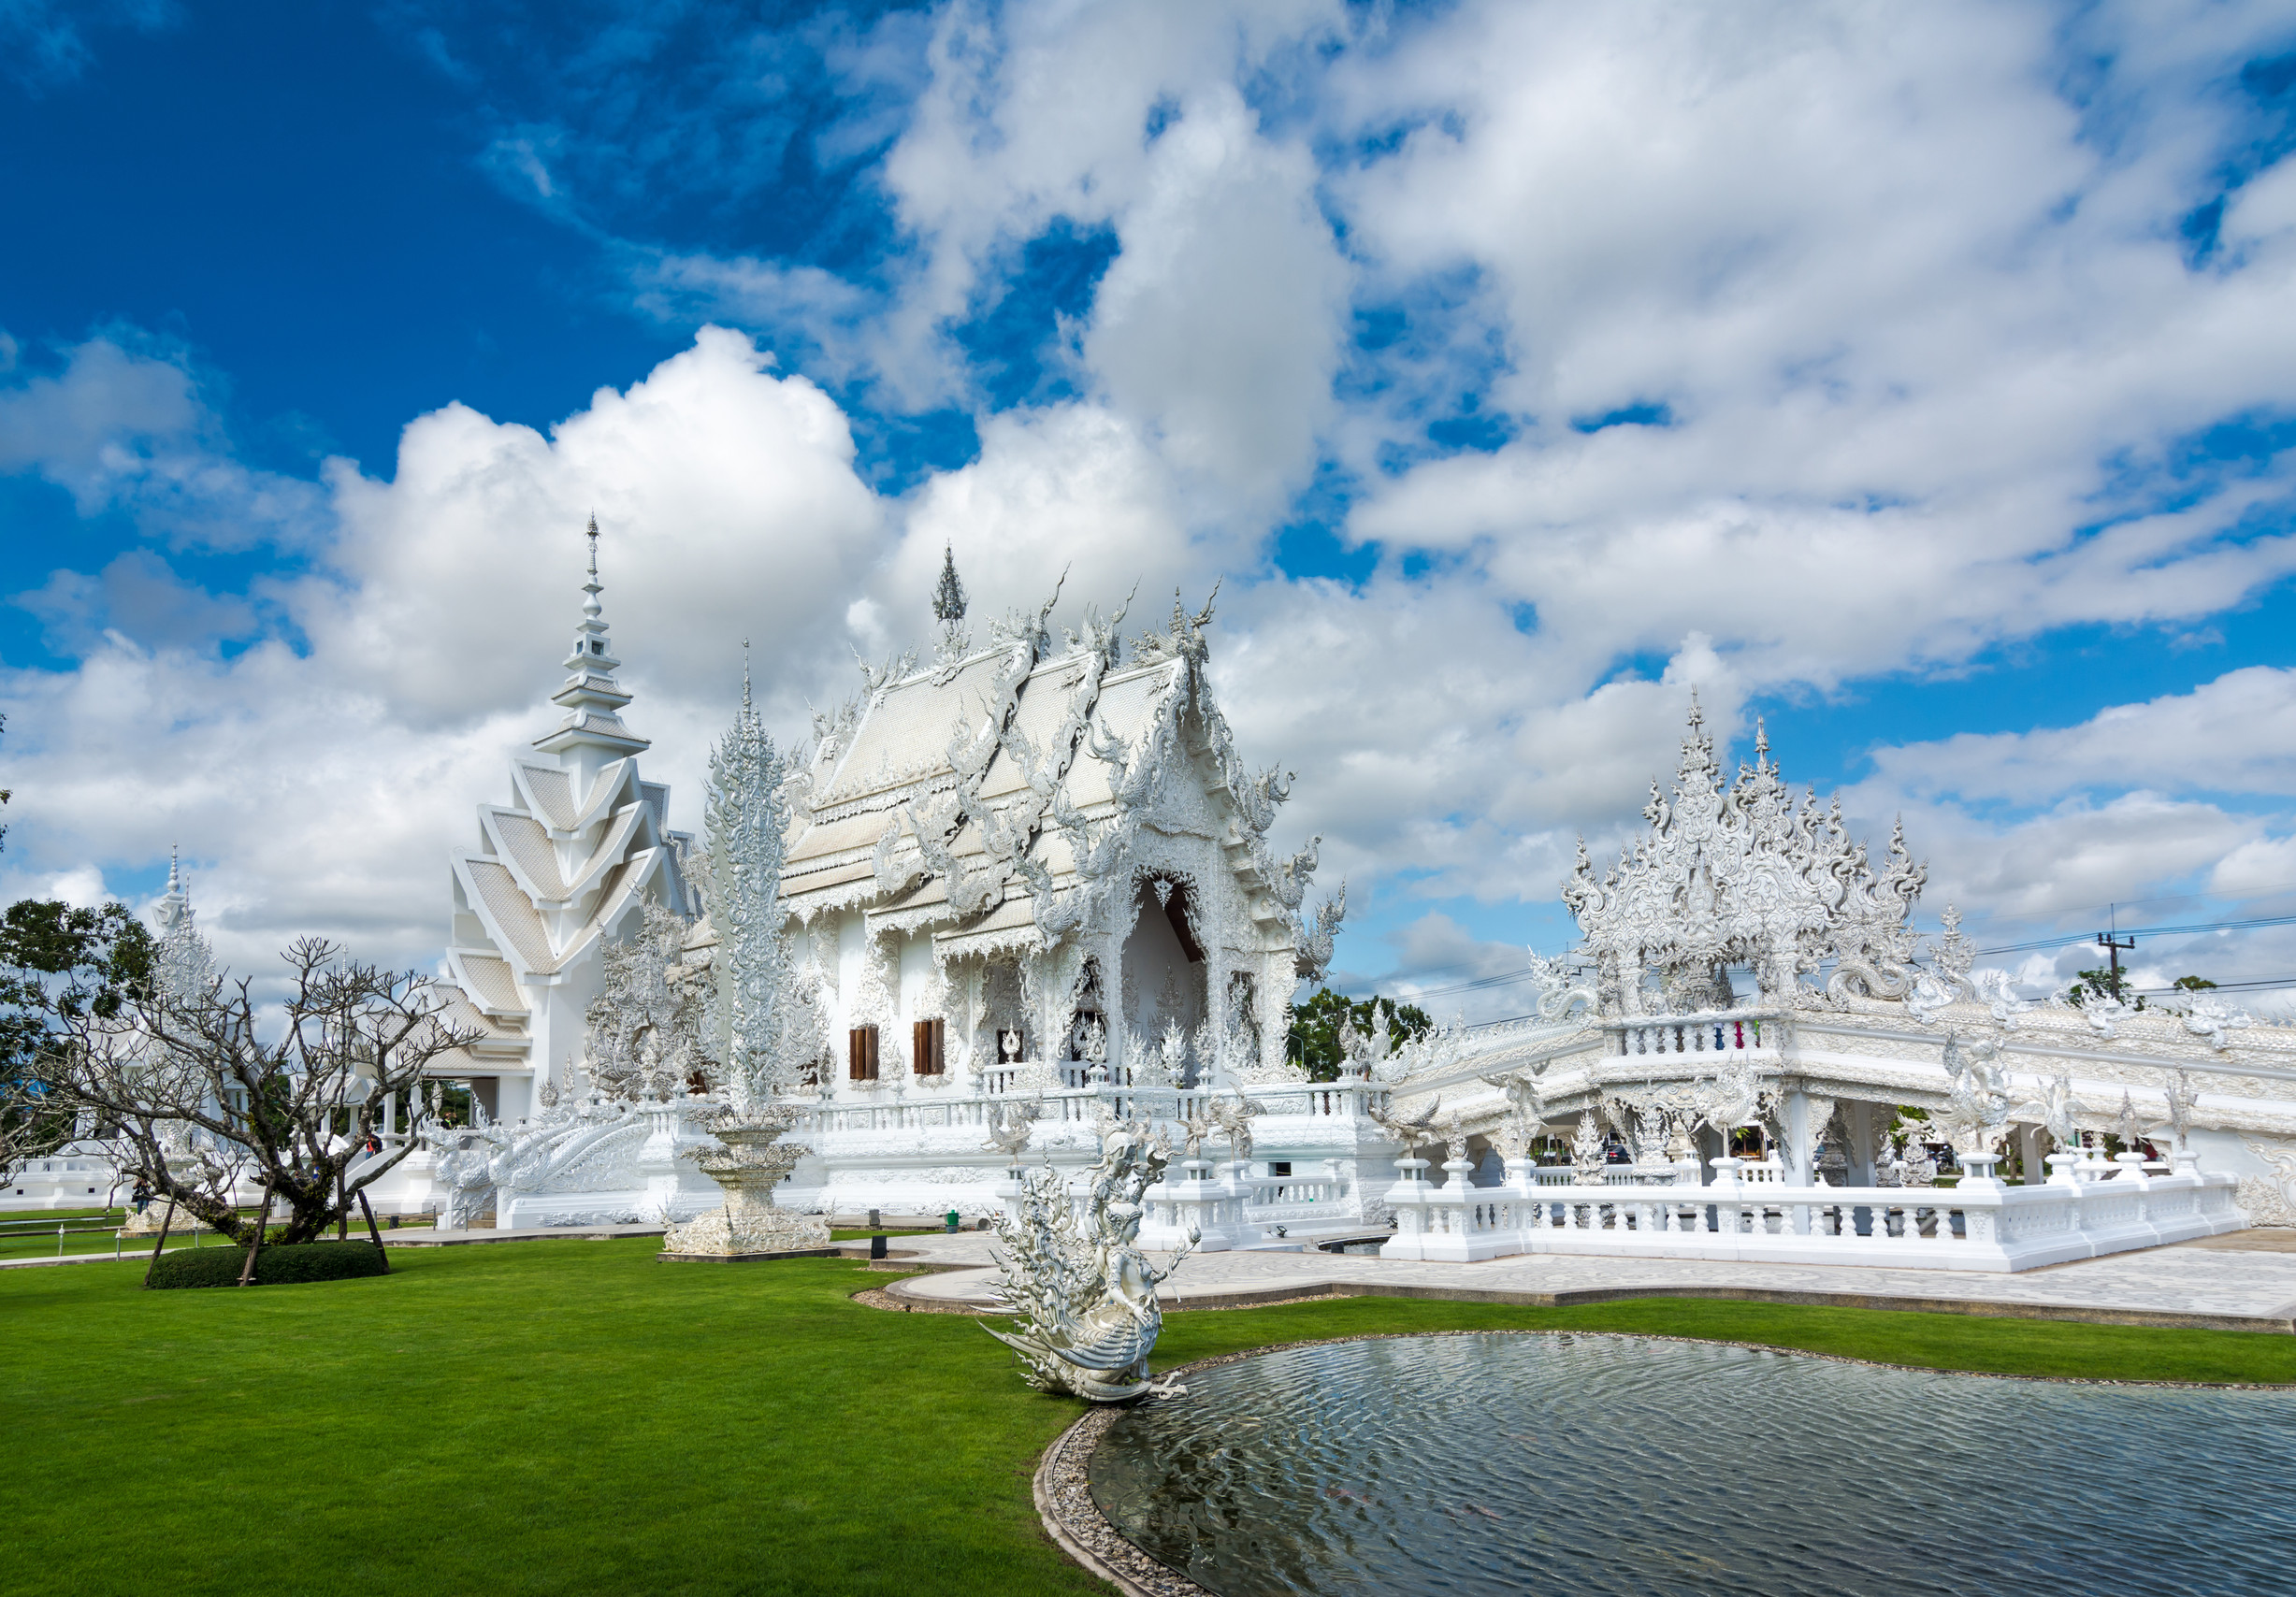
x: 1083, y: 1292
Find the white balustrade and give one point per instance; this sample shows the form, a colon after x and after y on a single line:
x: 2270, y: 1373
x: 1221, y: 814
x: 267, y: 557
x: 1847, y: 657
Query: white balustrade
x: 1748, y: 1212
x: 1696, y: 1034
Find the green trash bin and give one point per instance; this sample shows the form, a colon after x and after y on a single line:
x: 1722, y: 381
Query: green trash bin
x: 951, y: 1220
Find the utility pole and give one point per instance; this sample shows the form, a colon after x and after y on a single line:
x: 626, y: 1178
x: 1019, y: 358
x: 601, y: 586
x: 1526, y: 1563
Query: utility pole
x: 2114, y: 946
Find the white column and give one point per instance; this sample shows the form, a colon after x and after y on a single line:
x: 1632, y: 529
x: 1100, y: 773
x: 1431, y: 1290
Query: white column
x: 1794, y: 1122
x: 2028, y: 1151
x: 1858, y: 1120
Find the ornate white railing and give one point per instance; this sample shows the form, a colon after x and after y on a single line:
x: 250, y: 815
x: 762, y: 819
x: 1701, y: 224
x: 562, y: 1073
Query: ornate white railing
x: 1981, y: 1224
x: 1696, y: 1034
x: 1290, y: 1192
x: 1683, y: 1174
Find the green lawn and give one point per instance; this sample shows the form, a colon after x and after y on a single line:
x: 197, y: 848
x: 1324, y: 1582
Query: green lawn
x: 92, y: 1230
x: 564, y: 1416
x: 19, y: 1245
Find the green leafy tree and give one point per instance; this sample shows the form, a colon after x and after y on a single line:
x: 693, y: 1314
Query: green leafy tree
x: 58, y: 962
x: 1314, y: 1041
x: 2092, y: 986
x: 2097, y: 984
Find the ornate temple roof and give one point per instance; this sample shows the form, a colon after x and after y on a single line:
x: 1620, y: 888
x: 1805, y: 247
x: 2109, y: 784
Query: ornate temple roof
x: 992, y: 795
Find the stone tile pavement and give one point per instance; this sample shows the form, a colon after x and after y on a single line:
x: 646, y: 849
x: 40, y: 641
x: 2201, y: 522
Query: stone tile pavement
x: 2192, y: 1284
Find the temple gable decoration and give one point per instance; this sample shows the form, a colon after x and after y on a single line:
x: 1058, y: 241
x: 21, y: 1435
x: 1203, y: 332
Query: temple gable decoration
x: 1739, y: 873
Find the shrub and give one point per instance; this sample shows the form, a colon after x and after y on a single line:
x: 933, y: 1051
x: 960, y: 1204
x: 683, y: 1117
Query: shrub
x: 278, y: 1266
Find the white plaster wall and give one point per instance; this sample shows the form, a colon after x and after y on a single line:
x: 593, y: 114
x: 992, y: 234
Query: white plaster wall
x: 916, y: 974
x: 852, y: 956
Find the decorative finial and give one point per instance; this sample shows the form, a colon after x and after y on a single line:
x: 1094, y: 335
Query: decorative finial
x: 1697, y: 717
x: 949, y: 599
x: 591, y: 607
x: 745, y: 676
x: 175, y: 868
x: 1761, y: 745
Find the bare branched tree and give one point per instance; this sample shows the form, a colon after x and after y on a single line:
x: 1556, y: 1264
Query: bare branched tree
x: 197, y: 1093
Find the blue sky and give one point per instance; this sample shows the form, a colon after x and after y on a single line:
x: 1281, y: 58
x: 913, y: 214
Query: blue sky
x: 1919, y: 383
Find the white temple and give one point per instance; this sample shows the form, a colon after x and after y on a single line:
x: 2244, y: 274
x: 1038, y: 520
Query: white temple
x: 1025, y: 892
x: 1029, y: 872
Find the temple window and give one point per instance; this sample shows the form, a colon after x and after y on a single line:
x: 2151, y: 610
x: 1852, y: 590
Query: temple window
x: 929, y: 1038
x: 861, y: 1053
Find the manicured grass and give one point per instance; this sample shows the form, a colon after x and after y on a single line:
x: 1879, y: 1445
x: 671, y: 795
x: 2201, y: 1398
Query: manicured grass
x: 575, y: 1417
x: 52, y: 1216
x: 37, y: 1247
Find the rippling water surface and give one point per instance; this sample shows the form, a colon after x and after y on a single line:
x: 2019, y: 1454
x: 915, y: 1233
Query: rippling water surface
x: 1593, y: 1464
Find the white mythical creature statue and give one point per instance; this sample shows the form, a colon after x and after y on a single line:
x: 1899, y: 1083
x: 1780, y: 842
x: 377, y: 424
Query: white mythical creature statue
x: 1074, y: 1273
x: 1526, y: 1116
x: 2181, y: 1099
x: 466, y: 1169
x: 2105, y: 1014
x: 1436, y: 1050
x: 1233, y: 1116
x: 1976, y: 1106
x: 1410, y: 1132
x: 1195, y: 1126
x: 1909, y: 1165
x: 1992, y: 989
x: 1643, y: 1125
x: 1931, y: 994
x: 2212, y: 1018
x: 2127, y: 1123
x: 2056, y: 1109
x: 1561, y: 987
x: 1364, y: 1050
x: 1011, y: 1123
x: 1732, y: 1099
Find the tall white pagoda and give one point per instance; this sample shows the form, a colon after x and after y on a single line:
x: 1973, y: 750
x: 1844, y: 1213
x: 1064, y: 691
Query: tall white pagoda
x: 562, y: 868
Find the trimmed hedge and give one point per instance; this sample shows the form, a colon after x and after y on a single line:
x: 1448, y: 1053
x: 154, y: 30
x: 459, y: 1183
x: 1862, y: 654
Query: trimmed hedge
x: 277, y: 1266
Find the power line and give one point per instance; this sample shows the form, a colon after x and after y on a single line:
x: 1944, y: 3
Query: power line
x: 2197, y: 926
x: 2266, y: 983
x: 1482, y: 983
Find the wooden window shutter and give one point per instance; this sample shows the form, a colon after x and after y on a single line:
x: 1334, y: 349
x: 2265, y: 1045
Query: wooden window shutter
x: 861, y: 1053
x: 927, y: 1039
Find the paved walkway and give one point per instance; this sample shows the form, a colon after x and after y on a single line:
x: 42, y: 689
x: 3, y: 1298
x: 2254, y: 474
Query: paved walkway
x: 2194, y: 1284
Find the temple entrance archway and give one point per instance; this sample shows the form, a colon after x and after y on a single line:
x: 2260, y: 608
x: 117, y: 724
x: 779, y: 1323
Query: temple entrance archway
x: 1165, y: 966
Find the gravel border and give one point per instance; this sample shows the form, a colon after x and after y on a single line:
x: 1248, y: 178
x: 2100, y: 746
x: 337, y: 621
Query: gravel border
x: 1062, y: 1485
x: 1064, y: 1503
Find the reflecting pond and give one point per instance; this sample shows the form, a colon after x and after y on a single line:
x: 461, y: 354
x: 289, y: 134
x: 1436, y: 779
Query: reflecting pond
x: 1597, y: 1464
